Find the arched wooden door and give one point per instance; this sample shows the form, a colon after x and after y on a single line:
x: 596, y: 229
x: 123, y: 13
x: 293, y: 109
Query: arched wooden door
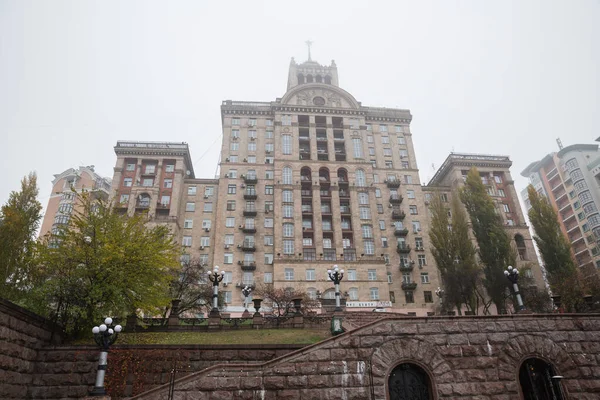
x: 538, y: 381
x: 409, y: 382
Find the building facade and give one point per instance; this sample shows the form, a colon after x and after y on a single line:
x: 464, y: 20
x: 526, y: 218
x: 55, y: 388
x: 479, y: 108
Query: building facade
x: 66, y: 186
x: 308, y: 181
x: 570, y: 180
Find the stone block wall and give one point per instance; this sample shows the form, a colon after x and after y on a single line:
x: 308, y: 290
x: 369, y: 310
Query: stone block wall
x: 474, y: 357
x: 22, y: 334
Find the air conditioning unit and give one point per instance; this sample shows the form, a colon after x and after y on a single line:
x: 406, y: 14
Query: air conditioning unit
x: 252, y: 138
x: 201, y: 247
x: 268, y: 151
x: 242, y: 185
x: 241, y: 226
x: 239, y: 246
x: 206, y: 196
x: 239, y: 263
x: 225, y: 284
x: 227, y: 246
x: 206, y: 229
x: 227, y: 159
x: 226, y: 175
x: 234, y: 138
x: 204, y: 264
x: 426, y: 202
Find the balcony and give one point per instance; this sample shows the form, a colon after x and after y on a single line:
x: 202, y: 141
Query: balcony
x: 304, y: 155
x: 307, y: 210
x: 342, y: 180
x: 250, y: 195
x: 248, y: 228
x: 247, y: 265
x: 400, y: 232
x: 396, y: 199
x: 409, y: 285
x: 406, y: 267
x: 304, y: 137
x: 344, y: 209
x: 163, y: 206
x: 344, y: 194
x: 250, y: 178
x: 250, y: 212
x: 403, y: 248
x: 306, y: 193
x: 340, y: 156
x: 323, y: 156
x: 392, y: 183
x: 398, y: 215
x: 321, y: 138
x: 248, y: 245
x: 142, y: 204
x: 250, y: 284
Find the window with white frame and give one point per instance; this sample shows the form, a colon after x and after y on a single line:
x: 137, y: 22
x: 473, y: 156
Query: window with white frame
x: 232, y: 173
x: 410, y: 194
x: 424, y: 277
x: 208, y: 207
x: 127, y: 182
x: 310, y: 275
x: 364, y: 212
x: 361, y: 180
x: 353, y: 294
x: 421, y: 259
x: 130, y: 167
x: 289, y: 274
x: 268, y: 258
x: 227, y: 258
x: 186, y: 241
x: 286, y: 144
x: 230, y: 222
x: 288, y: 247
x: 268, y: 222
x: 382, y: 224
x: 286, y: 175
x: 374, y: 293
x: 268, y: 277
x: 287, y: 196
x: 369, y: 247
x: 288, y: 230
x: 351, y: 274
x: 190, y: 206
x: 357, y: 147
x: 188, y: 224
x: 372, y: 274
x: 205, y: 241
x: 401, y: 140
x: 286, y: 120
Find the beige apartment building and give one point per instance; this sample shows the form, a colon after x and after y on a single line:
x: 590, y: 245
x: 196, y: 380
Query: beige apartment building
x: 495, y: 175
x: 570, y: 180
x: 66, y: 187
x: 308, y: 181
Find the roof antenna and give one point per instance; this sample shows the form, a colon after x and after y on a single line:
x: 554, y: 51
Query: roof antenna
x: 559, y: 142
x: 309, y: 43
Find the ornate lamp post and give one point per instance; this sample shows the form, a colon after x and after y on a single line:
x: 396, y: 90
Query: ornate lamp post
x: 215, y: 277
x: 513, y: 276
x: 104, y: 335
x: 336, y: 276
x: 246, y: 292
x: 439, y: 292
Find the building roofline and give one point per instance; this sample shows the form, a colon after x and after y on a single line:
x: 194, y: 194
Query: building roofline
x: 126, y: 147
x: 468, y: 159
x: 537, y: 165
x: 575, y: 147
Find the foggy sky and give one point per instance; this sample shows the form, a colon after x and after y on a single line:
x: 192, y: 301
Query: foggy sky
x: 493, y: 77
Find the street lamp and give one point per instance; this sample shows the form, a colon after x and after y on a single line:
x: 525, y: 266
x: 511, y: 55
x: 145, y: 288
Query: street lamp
x: 439, y: 292
x: 215, y: 277
x: 336, y: 276
x: 513, y: 276
x: 104, y: 336
x: 246, y: 292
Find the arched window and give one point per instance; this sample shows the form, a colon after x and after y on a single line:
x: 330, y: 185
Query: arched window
x: 323, y: 175
x: 539, y: 381
x: 319, y: 79
x: 305, y: 174
x: 144, y: 200
x: 286, y: 175
x: 309, y: 78
x: 342, y: 175
x: 328, y: 79
x: 300, y: 79
x: 410, y: 379
x: 360, y: 178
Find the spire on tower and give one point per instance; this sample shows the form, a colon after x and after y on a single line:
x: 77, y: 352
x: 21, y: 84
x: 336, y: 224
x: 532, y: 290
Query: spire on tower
x: 308, y: 44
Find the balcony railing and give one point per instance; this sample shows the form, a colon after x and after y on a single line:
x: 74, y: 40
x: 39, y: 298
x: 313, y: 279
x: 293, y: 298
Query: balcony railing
x: 392, y: 183
x: 306, y: 193
x: 142, y: 204
x: 345, y: 209
x: 398, y: 215
x: 248, y: 228
x: 403, y: 248
x: 400, y: 232
x: 247, y: 265
x: 250, y: 195
x: 396, y: 199
x: 406, y: 267
x: 250, y: 178
x: 409, y: 285
x: 344, y: 193
x: 250, y: 211
x: 248, y: 245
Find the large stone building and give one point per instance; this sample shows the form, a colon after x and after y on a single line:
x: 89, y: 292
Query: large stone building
x: 570, y: 180
x: 66, y: 186
x: 307, y: 181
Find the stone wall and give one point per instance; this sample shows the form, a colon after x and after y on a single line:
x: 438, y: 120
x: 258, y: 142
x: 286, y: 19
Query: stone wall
x: 474, y: 357
x: 22, y: 334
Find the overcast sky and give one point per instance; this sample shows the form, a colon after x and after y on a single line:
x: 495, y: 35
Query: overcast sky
x: 495, y: 77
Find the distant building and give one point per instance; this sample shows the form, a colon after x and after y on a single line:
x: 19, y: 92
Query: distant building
x: 66, y: 186
x: 307, y: 181
x: 570, y: 180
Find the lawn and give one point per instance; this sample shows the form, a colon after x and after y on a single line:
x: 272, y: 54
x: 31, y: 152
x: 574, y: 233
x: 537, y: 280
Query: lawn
x: 245, y: 336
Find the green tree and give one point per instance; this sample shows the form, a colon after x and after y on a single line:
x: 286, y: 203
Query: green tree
x: 19, y: 221
x: 103, y: 263
x: 454, y: 254
x: 555, y: 250
x: 495, y: 251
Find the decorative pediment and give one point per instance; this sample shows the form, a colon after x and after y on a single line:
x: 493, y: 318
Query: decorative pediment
x: 319, y: 95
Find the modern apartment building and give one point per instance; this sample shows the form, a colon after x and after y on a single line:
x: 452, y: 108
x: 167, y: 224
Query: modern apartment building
x: 495, y: 175
x: 307, y: 181
x: 65, y: 188
x: 570, y: 180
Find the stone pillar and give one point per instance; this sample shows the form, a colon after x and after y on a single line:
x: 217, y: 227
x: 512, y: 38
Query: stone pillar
x: 174, y: 315
x: 257, y: 318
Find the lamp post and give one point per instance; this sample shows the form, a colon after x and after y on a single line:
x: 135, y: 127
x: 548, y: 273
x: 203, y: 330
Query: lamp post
x: 246, y: 292
x: 336, y: 275
x: 104, y: 336
x: 215, y: 277
x: 513, y: 276
x: 439, y: 292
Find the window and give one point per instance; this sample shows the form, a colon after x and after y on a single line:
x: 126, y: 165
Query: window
x: 205, y: 241
x: 230, y: 222
x: 269, y: 147
x: 287, y: 196
x: 367, y: 231
x: 235, y: 133
x: 269, y: 258
x: 269, y: 134
x: 269, y: 189
x: 124, y: 199
x: 409, y: 296
x: 252, y: 146
x: 186, y: 241
x: 208, y: 207
x: 268, y: 240
x: 384, y: 242
x: 382, y: 224
x: 497, y: 178
x: 252, y: 122
x: 410, y: 194
x: 374, y: 293
x: 268, y: 277
x: 227, y: 297
x: 289, y: 274
x: 230, y: 205
x: 128, y: 182
x: 383, y: 128
x: 419, y: 243
x: 364, y: 212
x: 232, y: 173
x: 424, y: 277
x: 251, y: 159
x: 228, y: 258
x: 229, y: 239
x: 401, y: 140
x: 234, y: 146
x: 372, y: 275
x: 363, y: 198
x: 286, y: 175
x: 191, y: 190
x: 421, y: 260
x: 380, y: 208
x: 360, y: 178
x: 369, y: 127
x: 416, y: 226
x: 148, y: 182
x: 268, y: 222
x: 269, y: 122
x: 235, y: 121
x: 357, y: 147
x: 408, y: 179
x: 405, y: 165
x: 288, y: 230
x: 310, y: 275
x: 501, y: 193
x: 190, y: 206
x: 231, y: 189
x: 288, y: 211
x: 428, y: 296
x: 389, y: 164
x: 351, y: 274
x: 268, y: 206
x: 371, y: 151
x: 353, y: 123
x: 165, y: 200
x: 288, y: 247
x: 286, y: 120
x: 353, y: 294
x: 150, y: 168
x: 505, y: 207
x: 130, y: 167
x: 168, y: 183
x: 403, y: 153
x: 206, y: 224
x: 413, y: 210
